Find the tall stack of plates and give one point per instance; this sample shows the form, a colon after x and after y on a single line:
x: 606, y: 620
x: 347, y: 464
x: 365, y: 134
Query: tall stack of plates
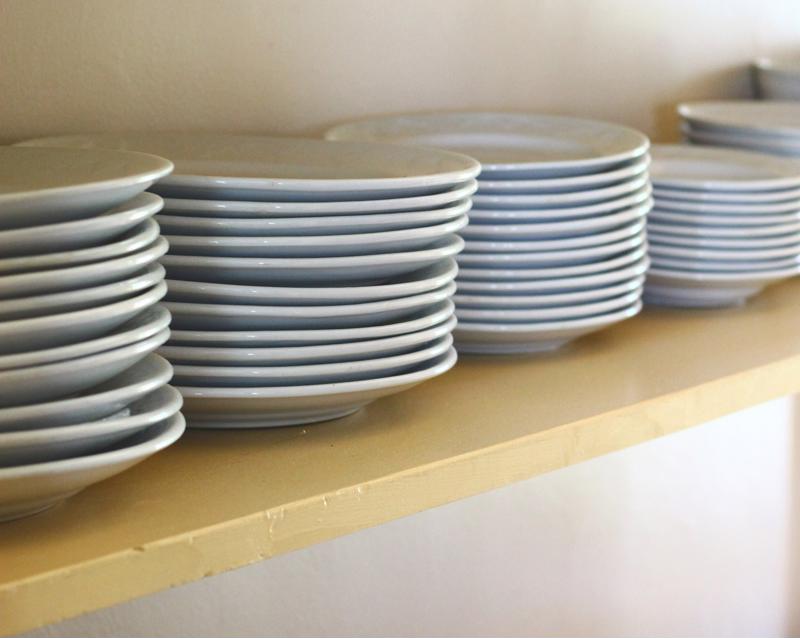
x: 555, y: 247
x: 306, y: 278
x: 763, y: 126
x: 725, y: 224
x: 777, y: 79
x: 82, y: 397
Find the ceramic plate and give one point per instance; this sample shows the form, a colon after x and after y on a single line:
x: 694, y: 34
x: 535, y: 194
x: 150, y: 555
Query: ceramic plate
x: 101, y: 401
x: 220, y: 209
x: 209, y: 166
x: 728, y: 208
x: 50, y: 381
x: 308, y: 270
x: 28, y: 489
x: 659, y: 215
x: 53, y: 444
x: 526, y: 338
x: 724, y: 232
x: 294, y: 355
x: 761, y: 144
x: 715, y: 254
x: 421, y: 320
x: 745, y: 266
x: 48, y: 186
x: 195, y: 316
x: 509, y: 144
x: 753, y: 116
x: 722, y: 197
x: 701, y: 241
x: 275, y: 406
x: 315, y: 245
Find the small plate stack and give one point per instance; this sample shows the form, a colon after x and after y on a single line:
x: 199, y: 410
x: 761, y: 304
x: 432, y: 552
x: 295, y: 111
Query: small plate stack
x: 777, y: 79
x: 762, y: 126
x: 555, y: 247
x: 306, y: 278
x: 82, y: 397
x: 725, y: 224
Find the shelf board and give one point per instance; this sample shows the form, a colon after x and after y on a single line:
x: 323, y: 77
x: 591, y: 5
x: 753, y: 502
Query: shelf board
x: 220, y: 500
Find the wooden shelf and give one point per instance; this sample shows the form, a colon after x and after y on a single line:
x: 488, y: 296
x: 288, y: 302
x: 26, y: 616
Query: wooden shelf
x: 220, y: 500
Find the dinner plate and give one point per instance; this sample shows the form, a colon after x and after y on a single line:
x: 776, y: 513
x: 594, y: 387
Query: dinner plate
x: 315, y: 245
x: 529, y: 230
x: 307, y: 270
x: 220, y: 209
x: 526, y: 315
x: 197, y: 316
x: 145, y: 324
x: 309, y: 374
x: 414, y: 283
x: 560, y: 200
x: 331, y: 353
x: 719, y: 266
x: 53, y: 444
x: 214, y: 166
x: 81, y: 299
x: 50, y: 381
x: 509, y: 144
x: 566, y: 184
x: 330, y: 225
x: 535, y: 337
x: 715, y: 219
x: 792, y: 206
x: 724, y: 232
x: 749, y: 116
x: 716, y: 254
x: 99, y: 402
x: 49, y: 331
x: 751, y: 143
x: 718, y: 197
x: 134, y: 240
x: 701, y: 241
x: 479, y: 301
x: 559, y: 285
x: 420, y: 320
x: 47, y: 186
x: 251, y: 407
x: 28, y: 489
x: 80, y: 233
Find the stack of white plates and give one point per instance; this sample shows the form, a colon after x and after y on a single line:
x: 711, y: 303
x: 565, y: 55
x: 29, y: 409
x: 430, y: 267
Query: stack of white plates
x: 555, y: 247
x: 725, y: 224
x: 763, y: 126
x: 777, y: 79
x: 82, y: 397
x: 306, y: 278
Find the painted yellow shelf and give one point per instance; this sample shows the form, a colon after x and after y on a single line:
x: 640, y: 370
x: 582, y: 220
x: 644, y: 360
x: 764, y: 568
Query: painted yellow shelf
x: 220, y: 500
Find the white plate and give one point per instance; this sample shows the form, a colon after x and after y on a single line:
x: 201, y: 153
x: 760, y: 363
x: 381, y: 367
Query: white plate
x: 49, y: 331
x: 551, y: 230
x: 560, y: 200
x: 101, y: 401
x: 72, y: 300
x: 46, y: 186
x: 330, y: 225
x: 221, y: 209
x: 134, y: 240
x: 549, y: 258
x: 85, y: 276
x: 197, y: 316
x: 284, y: 168
x: 315, y: 245
x: 550, y: 215
x: 527, y: 315
x: 147, y: 323
x: 50, y: 381
x: 548, y: 287
x: 751, y: 143
x: 722, y: 197
x: 53, y: 444
x: 308, y: 270
x: 509, y: 144
x: 716, y: 254
x: 566, y: 184
x: 514, y: 274
x: 720, y: 169
x: 565, y: 243
x: 414, y: 283
x: 723, y: 232
x: 421, y: 320
x: 753, y: 266
x: 529, y: 338
x: 81, y: 233
x: 701, y: 241
x: 749, y: 116
x: 356, y: 351
x: 28, y: 489
x: 529, y: 301
x: 727, y: 208
x: 309, y: 374
x: 659, y: 215
x: 275, y: 406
